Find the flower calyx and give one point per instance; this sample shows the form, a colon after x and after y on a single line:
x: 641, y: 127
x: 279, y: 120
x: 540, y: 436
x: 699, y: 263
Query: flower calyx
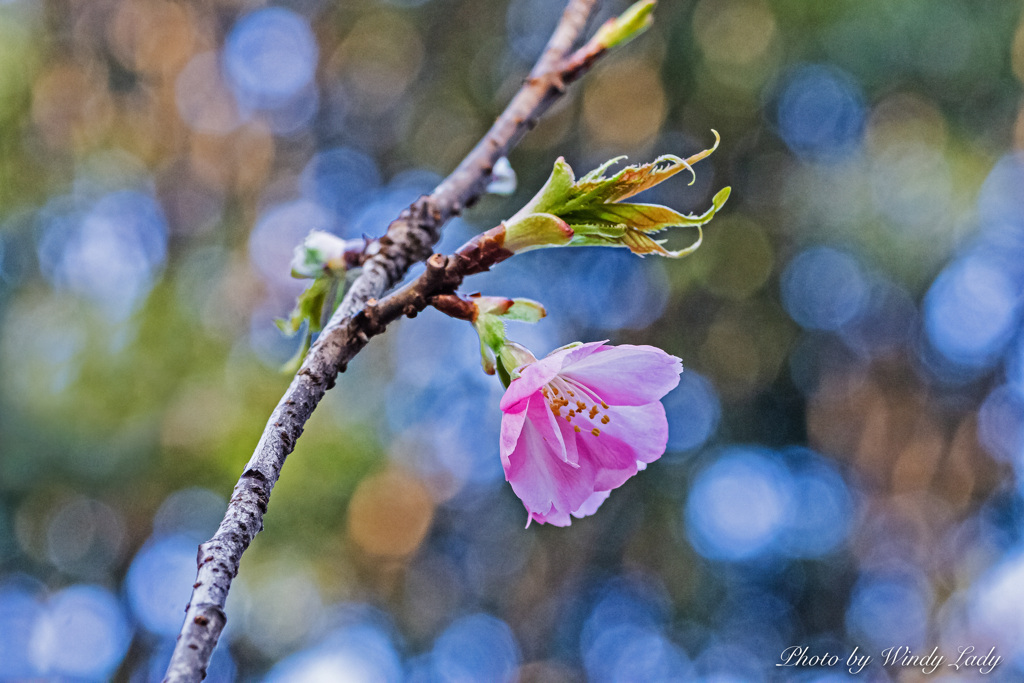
x: 497, y: 353
x: 488, y: 315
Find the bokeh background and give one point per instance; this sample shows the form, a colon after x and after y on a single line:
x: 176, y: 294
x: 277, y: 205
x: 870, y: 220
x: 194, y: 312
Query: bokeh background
x: 847, y: 441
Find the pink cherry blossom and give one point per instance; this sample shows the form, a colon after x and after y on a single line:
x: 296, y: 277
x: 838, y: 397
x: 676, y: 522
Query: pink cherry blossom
x: 582, y: 421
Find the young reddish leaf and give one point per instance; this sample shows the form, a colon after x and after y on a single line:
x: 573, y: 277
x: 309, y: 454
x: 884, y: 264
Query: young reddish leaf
x: 633, y: 180
x: 641, y: 244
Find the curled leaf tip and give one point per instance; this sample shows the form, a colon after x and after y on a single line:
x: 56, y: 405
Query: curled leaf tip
x: 689, y: 161
x: 690, y: 249
x: 598, y: 173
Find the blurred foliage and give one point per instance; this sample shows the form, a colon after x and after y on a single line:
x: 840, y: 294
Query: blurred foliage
x: 846, y: 443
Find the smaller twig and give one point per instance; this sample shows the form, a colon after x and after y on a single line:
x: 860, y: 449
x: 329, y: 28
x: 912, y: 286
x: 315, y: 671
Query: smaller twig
x: 454, y: 306
x: 436, y: 287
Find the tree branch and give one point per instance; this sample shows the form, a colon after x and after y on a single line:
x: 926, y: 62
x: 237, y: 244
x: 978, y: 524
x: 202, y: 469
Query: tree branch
x: 410, y: 238
x: 434, y: 287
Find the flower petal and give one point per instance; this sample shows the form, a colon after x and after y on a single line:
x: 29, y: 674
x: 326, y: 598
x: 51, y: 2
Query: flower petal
x: 511, y: 426
x: 559, y: 518
x: 566, y: 465
x: 570, y: 355
x: 634, y: 434
x: 553, y: 429
x: 553, y: 517
x: 531, y: 378
x: 626, y: 375
x: 537, y: 471
x: 610, y: 460
x: 591, y: 504
x: 644, y: 428
x: 535, y: 375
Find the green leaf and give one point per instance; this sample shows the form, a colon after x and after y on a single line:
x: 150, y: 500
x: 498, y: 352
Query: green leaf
x: 648, y: 218
x: 644, y: 217
x: 594, y: 175
x: 313, y: 307
x: 633, y: 180
x: 721, y: 197
x: 596, y: 240
x: 606, y: 231
x: 554, y: 193
x: 308, y: 307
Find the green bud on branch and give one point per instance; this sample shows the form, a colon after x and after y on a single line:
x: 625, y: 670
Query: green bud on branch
x: 534, y: 231
x: 626, y: 26
x: 322, y: 253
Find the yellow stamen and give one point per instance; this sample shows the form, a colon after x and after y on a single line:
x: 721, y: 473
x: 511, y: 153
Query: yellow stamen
x: 605, y: 420
x: 577, y: 428
x: 595, y: 431
x: 593, y: 412
x: 604, y: 405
